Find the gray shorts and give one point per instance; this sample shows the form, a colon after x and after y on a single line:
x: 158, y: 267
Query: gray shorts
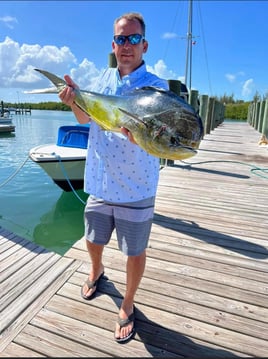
x: 132, y: 222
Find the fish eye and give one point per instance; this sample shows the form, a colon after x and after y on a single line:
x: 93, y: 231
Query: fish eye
x: 174, y: 141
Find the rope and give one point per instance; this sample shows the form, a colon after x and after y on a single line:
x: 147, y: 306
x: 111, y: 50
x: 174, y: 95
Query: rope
x: 14, y: 174
x: 68, y: 180
x: 63, y: 171
x: 253, y: 169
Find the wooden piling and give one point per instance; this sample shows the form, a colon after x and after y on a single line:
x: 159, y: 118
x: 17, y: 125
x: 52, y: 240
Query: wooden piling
x: 265, y: 119
x: 209, y: 123
x: 203, y: 109
x: 260, y: 117
x: 193, y: 99
x: 112, y: 60
x: 175, y: 86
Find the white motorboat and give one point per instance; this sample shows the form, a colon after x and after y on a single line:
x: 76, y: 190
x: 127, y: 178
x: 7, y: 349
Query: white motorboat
x: 64, y: 161
x: 6, y: 124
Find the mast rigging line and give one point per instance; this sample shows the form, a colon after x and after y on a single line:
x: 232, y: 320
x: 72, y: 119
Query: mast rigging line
x: 188, y: 62
x: 189, y: 42
x: 189, y: 47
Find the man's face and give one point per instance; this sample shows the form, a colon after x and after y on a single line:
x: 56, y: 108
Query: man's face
x: 128, y: 56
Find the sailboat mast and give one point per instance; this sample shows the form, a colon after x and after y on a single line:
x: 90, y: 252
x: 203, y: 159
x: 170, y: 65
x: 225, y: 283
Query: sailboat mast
x: 189, y: 47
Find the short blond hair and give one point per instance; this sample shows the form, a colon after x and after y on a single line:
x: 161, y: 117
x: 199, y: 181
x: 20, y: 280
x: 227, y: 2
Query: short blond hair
x: 132, y: 16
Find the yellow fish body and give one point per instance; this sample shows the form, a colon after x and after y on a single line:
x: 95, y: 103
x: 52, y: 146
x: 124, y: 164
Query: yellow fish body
x: 161, y: 122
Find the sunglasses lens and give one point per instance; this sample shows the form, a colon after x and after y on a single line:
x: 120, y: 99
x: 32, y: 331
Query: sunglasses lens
x: 134, y: 39
x: 120, y: 39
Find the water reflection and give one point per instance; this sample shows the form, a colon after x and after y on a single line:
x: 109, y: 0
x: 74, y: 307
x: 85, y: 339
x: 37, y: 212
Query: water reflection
x: 63, y: 225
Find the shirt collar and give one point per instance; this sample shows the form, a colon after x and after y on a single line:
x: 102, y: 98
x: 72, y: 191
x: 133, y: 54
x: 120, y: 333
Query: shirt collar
x: 138, y: 73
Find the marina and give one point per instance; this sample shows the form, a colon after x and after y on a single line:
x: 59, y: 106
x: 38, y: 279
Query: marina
x: 204, y: 290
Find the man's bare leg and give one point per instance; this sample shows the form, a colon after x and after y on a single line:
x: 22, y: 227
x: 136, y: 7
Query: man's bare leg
x: 95, y: 252
x: 134, y: 272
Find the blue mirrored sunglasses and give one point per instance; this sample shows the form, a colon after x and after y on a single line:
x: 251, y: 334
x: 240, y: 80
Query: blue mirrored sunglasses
x: 133, y: 39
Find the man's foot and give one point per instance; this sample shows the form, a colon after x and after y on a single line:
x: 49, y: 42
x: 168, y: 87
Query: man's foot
x: 89, y: 288
x: 125, y: 326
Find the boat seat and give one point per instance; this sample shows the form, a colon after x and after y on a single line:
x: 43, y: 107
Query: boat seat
x: 73, y: 136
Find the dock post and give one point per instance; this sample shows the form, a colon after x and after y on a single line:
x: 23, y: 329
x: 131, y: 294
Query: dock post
x: 261, y: 113
x: 204, y: 109
x: 256, y: 115
x: 250, y: 114
x: 265, y: 119
x: 210, y: 116
x: 174, y: 86
x: 218, y: 113
x: 112, y: 60
x: 193, y: 100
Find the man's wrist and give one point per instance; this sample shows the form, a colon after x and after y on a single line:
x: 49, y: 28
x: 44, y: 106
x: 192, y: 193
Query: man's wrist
x: 73, y: 105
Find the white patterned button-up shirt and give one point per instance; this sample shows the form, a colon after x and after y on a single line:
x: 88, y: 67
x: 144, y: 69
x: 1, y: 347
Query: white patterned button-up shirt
x: 117, y: 170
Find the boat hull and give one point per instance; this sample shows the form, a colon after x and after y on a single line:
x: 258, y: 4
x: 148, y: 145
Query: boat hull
x: 64, y: 165
x: 7, y: 128
x: 6, y: 125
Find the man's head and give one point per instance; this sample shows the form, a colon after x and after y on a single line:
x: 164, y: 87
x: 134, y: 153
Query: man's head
x: 128, y: 49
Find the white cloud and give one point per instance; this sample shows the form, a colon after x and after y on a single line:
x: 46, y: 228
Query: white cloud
x: 230, y: 77
x: 169, y: 35
x: 8, y: 21
x: 17, y: 62
x: 161, y: 70
x: 85, y: 74
x: 247, y: 88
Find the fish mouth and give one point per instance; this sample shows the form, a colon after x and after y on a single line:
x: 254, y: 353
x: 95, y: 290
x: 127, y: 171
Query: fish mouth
x: 176, y: 143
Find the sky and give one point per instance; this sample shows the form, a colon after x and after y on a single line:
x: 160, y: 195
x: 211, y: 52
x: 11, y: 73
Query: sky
x: 229, y: 44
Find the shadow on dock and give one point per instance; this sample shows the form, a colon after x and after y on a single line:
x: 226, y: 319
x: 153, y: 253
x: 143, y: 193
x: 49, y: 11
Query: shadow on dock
x: 232, y: 243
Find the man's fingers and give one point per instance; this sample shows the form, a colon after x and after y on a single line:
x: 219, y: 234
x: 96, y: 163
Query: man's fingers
x: 129, y: 135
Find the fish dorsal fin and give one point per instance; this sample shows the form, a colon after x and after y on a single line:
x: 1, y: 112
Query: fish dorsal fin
x: 152, y: 88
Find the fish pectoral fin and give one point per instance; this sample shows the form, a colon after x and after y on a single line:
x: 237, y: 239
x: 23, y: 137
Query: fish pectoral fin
x: 161, y: 116
x: 133, y: 117
x: 82, y: 108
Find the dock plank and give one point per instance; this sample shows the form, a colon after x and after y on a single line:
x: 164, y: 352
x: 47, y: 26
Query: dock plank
x: 205, y: 287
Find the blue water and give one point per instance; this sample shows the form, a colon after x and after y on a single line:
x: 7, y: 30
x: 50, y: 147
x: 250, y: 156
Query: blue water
x: 31, y: 205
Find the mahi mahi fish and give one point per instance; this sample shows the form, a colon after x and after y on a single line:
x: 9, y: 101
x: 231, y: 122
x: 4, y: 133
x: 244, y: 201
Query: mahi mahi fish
x: 161, y: 122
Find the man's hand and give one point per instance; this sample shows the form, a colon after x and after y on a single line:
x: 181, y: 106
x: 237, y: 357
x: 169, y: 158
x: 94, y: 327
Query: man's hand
x: 67, y: 95
x: 129, y: 135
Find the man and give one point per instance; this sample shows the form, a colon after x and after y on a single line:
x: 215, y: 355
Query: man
x: 120, y: 177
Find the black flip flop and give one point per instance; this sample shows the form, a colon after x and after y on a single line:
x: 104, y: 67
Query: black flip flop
x: 90, y: 285
x: 123, y: 323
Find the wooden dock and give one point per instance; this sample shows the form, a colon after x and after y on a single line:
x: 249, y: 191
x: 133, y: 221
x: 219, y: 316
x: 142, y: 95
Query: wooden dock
x: 205, y: 289
x: 19, y: 110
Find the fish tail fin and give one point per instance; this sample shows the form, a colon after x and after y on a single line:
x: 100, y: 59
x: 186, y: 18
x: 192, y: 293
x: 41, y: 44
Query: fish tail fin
x: 57, y: 81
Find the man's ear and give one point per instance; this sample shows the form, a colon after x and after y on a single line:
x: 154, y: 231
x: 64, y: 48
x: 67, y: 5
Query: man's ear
x: 145, y: 46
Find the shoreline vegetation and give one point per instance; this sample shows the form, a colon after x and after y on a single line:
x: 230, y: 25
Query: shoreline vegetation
x: 237, y: 110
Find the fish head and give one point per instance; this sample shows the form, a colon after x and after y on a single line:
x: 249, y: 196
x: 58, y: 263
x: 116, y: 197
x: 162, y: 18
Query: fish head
x: 171, y: 134
x: 162, y: 123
